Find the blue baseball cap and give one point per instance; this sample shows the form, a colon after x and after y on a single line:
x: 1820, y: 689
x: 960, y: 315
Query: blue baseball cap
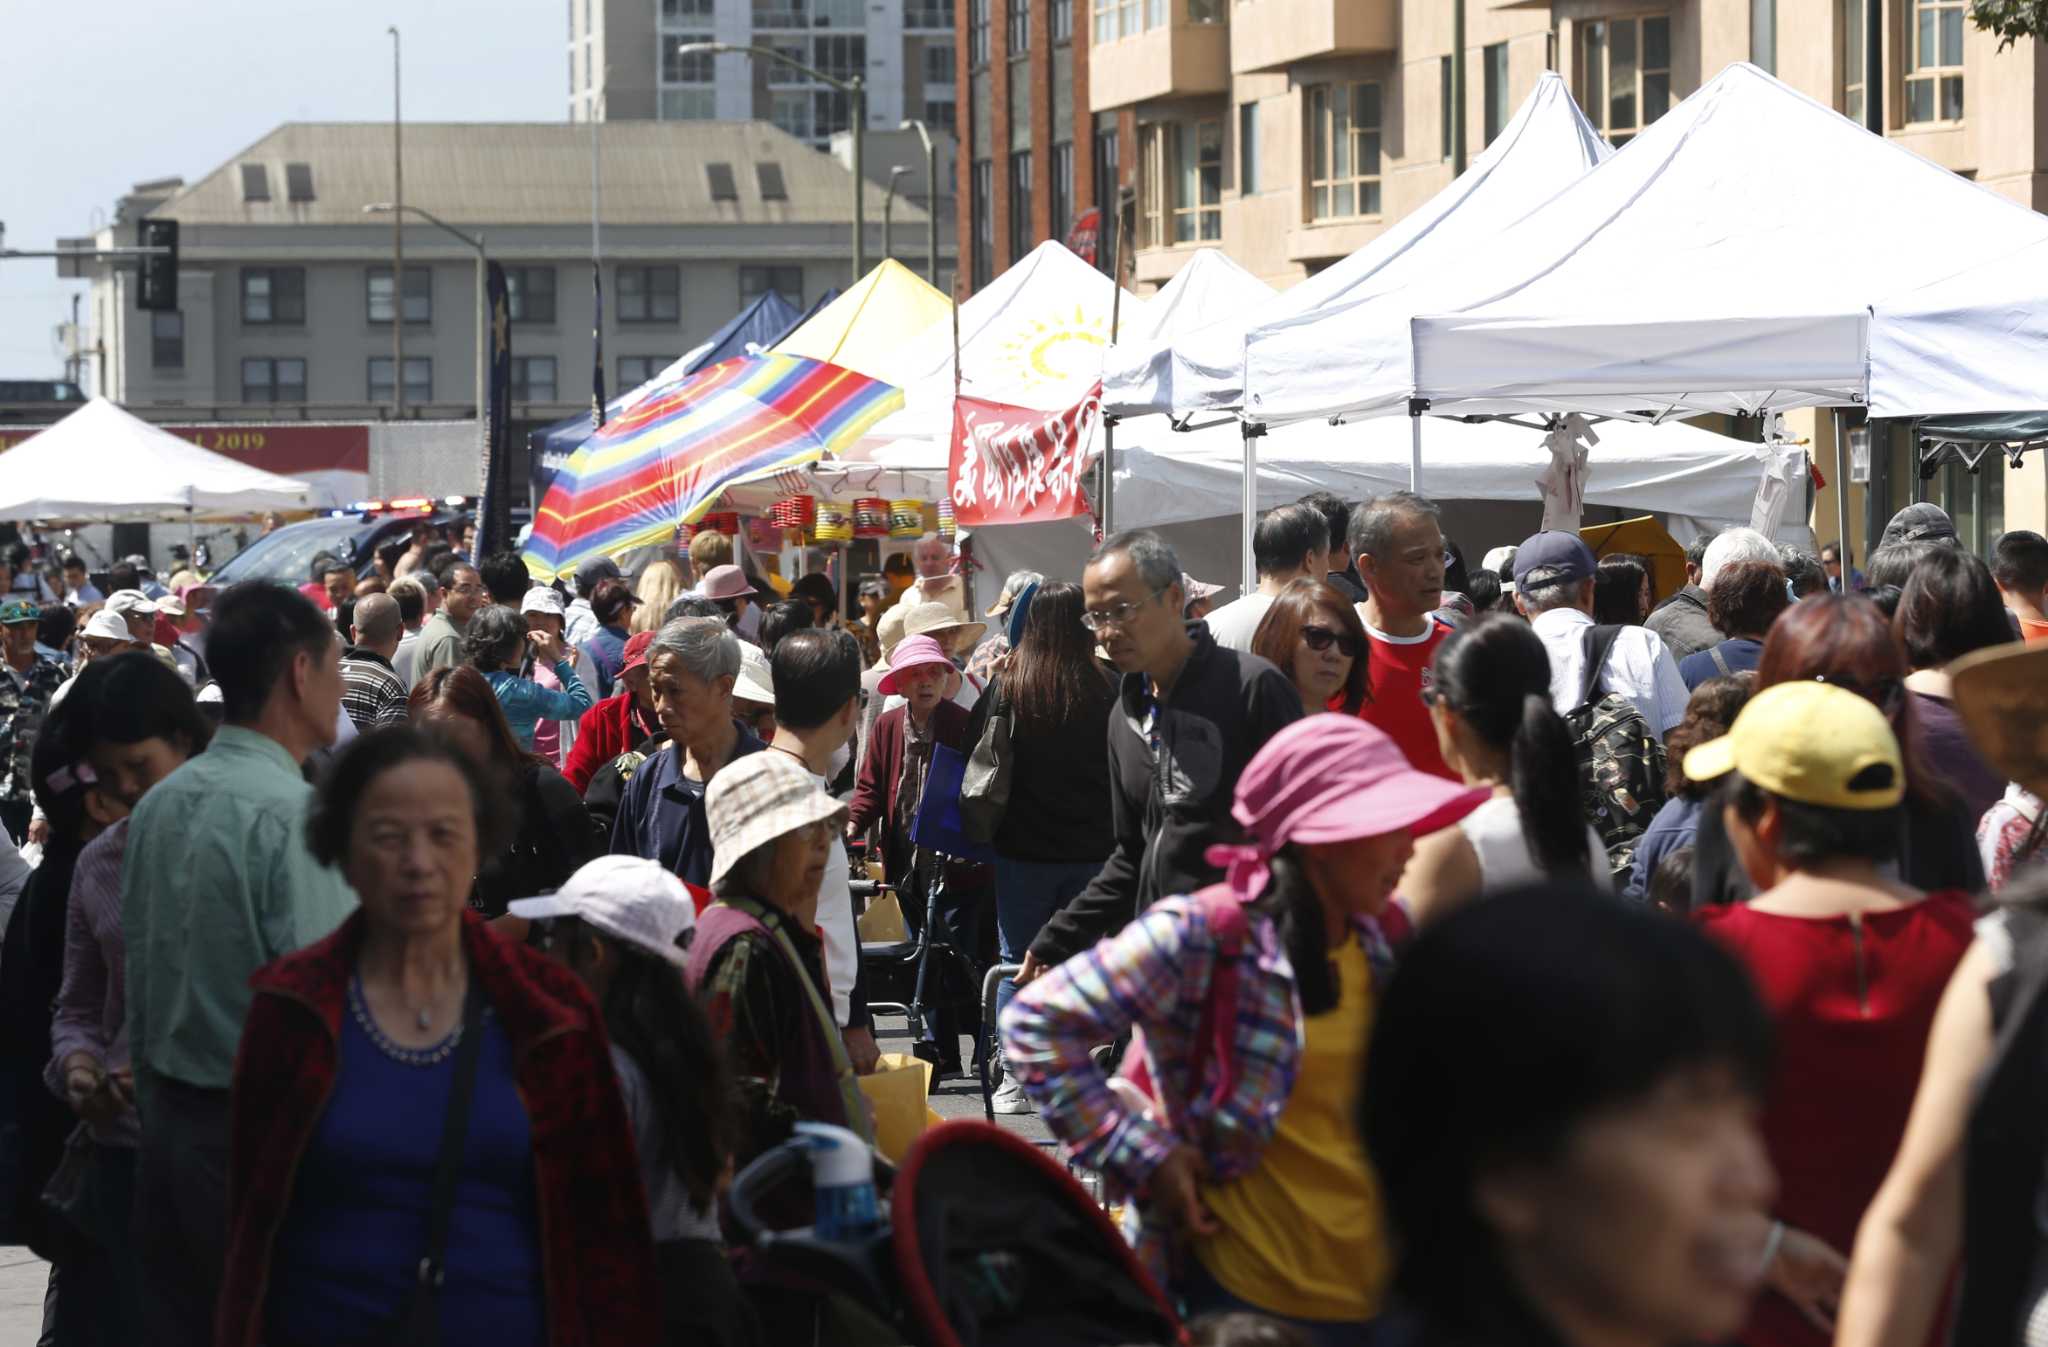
x: 1564, y: 555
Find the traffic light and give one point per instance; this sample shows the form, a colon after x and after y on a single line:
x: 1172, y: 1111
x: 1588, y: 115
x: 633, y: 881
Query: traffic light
x: 158, y: 288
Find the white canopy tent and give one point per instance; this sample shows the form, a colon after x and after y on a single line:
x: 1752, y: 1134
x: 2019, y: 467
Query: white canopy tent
x: 1547, y: 144
x: 1967, y: 344
x: 1725, y: 261
x: 1207, y: 290
x: 102, y: 463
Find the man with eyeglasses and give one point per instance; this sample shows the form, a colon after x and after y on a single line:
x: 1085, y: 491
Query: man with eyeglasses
x: 441, y: 636
x: 1399, y: 548
x: 1191, y: 715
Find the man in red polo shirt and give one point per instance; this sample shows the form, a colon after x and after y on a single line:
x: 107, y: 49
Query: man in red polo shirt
x: 1399, y: 550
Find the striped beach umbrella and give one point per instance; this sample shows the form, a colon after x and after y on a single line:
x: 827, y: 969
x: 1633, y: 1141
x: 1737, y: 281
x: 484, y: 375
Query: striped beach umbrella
x: 664, y: 461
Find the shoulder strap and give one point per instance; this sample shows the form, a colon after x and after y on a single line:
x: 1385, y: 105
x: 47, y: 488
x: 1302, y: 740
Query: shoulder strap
x: 454, y: 1130
x: 1720, y: 661
x: 1597, y: 644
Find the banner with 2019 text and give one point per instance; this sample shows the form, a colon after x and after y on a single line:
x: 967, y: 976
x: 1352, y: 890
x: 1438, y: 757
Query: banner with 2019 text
x: 1020, y: 465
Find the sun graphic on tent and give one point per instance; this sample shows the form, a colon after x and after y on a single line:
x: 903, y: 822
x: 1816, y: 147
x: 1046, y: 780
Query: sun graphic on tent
x: 1059, y: 350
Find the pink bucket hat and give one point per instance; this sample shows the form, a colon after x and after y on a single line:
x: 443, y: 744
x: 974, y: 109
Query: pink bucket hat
x: 1332, y: 778
x: 910, y: 653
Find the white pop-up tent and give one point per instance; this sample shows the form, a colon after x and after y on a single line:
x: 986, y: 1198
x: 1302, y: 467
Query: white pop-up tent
x: 1208, y: 289
x: 1970, y: 343
x: 1547, y: 144
x: 101, y: 463
x: 1725, y: 261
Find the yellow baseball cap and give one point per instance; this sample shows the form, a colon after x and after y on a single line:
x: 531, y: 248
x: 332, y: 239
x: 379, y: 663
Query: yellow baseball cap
x: 1811, y: 742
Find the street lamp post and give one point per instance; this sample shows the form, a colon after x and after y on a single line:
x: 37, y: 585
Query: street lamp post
x: 857, y: 96
x: 888, y: 206
x: 397, y: 236
x: 931, y: 196
x: 483, y: 295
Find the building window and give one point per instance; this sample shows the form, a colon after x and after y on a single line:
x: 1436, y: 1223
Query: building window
x: 689, y: 105
x: 1062, y: 189
x: 1934, y: 63
x: 1119, y: 18
x: 530, y: 294
x: 274, y: 295
x: 1247, y: 148
x: 1198, y: 183
x: 1853, y: 39
x: 938, y: 63
x: 1019, y: 26
x: 1624, y: 74
x: 419, y: 294
x: 1763, y: 35
x: 982, y: 190
x: 1153, y: 145
x: 419, y: 379
x: 1107, y: 206
x: 268, y: 380
x: 650, y: 294
x: 635, y: 370
x: 843, y: 56
x: 1022, y: 236
x: 1061, y: 19
x: 167, y: 341
x: 1444, y: 95
x: 785, y: 281
x: 1105, y: 21
x: 533, y: 378
x: 939, y: 112
x: 929, y: 14
x: 682, y: 11
x: 1344, y: 156
x: 977, y: 33
x: 1494, y: 64
x: 1205, y: 11
x: 691, y: 68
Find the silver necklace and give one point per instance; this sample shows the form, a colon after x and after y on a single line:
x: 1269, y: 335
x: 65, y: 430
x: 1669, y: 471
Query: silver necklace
x: 428, y: 1056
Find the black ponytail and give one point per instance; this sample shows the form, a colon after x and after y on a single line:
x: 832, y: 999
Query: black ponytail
x: 649, y: 1012
x: 1543, y: 773
x: 1291, y: 902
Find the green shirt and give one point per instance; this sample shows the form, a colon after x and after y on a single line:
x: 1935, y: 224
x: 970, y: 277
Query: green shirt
x: 440, y: 643
x: 218, y: 882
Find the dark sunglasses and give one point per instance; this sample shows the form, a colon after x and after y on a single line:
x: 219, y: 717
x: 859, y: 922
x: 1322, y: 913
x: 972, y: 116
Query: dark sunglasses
x: 1320, y: 639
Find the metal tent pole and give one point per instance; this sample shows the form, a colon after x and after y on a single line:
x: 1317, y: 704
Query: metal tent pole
x: 1416, y: 407
x: 1252, y: 432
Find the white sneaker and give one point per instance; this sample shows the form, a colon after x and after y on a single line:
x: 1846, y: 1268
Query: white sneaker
x: 1009, y: 1097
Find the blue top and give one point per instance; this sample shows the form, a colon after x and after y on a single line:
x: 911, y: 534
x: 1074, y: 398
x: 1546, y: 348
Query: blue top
x: 607, y: 651
x: 347, y: 1256
x: 527, y: 702
x: 1738, y: 653
x: 1675, y: 826
x: 661, y: 815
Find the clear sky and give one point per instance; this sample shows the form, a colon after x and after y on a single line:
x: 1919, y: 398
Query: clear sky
x: 98, y: 95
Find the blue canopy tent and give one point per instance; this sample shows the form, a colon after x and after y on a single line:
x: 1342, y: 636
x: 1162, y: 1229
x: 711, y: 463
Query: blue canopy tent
x: 762, y: 323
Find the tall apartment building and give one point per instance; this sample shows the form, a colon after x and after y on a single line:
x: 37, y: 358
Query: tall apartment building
x: 626, y: 62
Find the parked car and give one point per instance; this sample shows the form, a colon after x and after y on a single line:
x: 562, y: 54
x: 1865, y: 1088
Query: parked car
x: 285, y: 555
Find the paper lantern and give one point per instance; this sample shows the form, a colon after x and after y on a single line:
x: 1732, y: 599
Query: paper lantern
x: 721, y: 521
x: 906, y: 519
x: 834, y: 525
x: 946, y: 529
x: 794, y: 512
x: 871, y: 517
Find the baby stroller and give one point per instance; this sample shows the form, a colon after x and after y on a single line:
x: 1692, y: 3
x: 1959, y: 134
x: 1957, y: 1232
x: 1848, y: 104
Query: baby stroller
x: 987, y: 1243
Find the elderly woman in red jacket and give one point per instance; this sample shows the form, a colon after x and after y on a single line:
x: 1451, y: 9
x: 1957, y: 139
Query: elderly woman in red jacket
x: 617, y: 724
x: 426, y: 1124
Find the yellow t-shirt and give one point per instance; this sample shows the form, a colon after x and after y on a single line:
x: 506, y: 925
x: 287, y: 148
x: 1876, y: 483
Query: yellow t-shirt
x: 1302, y: 1233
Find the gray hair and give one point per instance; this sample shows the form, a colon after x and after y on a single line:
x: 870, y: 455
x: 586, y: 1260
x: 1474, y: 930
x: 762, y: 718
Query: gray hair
x: 1154, y: 557
x: 429, y: 583
x: 1017, y: 583
x: 706, y: 646
x: 493, y: 637
x: 1549, y: 587
x: 1733, y: 545
x: 1373, y: 523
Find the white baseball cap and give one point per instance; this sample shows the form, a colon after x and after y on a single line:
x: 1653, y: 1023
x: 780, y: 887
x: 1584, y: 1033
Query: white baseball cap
x: 541, y: 599
x: 126, y: 601
x: 756, y: 682
x: 638, y: 901
x: 107, y: 624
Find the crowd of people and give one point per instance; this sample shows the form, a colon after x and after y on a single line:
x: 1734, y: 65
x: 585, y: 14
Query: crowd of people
x: 1418, y: 953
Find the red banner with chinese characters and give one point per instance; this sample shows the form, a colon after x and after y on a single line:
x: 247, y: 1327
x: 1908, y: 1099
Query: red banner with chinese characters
x: 1020, y: 465
x: 1086, y: 235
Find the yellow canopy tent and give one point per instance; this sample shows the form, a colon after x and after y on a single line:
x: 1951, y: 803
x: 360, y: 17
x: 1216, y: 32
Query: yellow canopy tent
x: 1644, y: 537
x: 862, y: 328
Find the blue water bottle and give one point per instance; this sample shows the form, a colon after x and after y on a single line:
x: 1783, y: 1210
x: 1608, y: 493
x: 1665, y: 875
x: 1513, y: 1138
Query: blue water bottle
x: 843, y: 1173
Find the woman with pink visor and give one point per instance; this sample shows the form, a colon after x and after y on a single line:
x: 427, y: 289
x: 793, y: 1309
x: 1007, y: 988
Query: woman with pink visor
x: 1253, y: 1001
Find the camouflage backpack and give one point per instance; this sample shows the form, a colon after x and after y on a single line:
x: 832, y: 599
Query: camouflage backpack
x: 1621, y: 764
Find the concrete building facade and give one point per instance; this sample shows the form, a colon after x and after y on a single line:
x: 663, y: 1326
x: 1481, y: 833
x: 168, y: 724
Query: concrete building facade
x: 1291, y: 132
x: 285, y: 294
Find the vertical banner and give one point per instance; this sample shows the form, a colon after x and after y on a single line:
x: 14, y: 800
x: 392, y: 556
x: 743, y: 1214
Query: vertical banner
x: 596, y: 345
x: 494, y: 514
x: 1020, y: 465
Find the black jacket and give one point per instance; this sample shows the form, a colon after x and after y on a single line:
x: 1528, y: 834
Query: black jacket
x: 1059, y: 806
x: 1165, y: 815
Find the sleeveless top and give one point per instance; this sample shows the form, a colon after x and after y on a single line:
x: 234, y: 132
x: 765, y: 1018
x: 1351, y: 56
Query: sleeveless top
x: 1495, y: 831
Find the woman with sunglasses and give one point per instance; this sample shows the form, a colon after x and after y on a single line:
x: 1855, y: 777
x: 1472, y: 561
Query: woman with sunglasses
x: 1489, y: 701
x: 1846, y: 641
x: 1314, y: 637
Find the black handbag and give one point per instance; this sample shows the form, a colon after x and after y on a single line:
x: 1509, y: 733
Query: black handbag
x: 419, y: 1323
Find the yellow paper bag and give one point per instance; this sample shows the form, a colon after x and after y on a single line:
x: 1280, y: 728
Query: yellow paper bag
x: 896, y: 1091
x: 882, y: 923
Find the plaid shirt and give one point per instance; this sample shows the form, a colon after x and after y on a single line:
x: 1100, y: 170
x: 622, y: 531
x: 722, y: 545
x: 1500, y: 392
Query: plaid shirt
x: 1155, y: 974
x: 371, y: 691
x: 24, y: 701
